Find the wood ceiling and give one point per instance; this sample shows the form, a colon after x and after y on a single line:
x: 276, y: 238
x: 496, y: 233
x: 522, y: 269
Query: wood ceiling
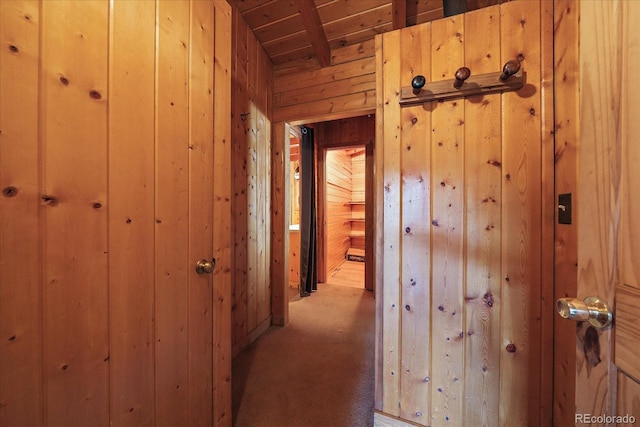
x: 290, y: 30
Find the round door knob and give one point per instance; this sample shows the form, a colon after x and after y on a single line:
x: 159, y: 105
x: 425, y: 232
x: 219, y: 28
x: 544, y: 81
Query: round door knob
x: 461, y: 75
x: 203, y: 266
x: 417, y: 83
x: 509, y: 69
x: 592, y: 309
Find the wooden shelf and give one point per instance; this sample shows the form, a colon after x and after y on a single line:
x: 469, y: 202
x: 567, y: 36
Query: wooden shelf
x: 356, y: 234
x: 355, y: 202
x: 356, y: 219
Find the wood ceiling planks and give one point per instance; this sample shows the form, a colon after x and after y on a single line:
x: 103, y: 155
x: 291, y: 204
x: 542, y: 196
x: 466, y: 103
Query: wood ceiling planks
x: 280, y: 29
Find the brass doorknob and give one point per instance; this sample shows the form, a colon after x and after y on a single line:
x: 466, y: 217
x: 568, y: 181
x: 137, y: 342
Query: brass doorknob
x: 203, y: 266
x: 592, y: 310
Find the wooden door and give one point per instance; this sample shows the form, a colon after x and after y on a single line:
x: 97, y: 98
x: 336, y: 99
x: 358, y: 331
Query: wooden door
x: 607, y: 365
x: 115, y: 120
x: 465, y: 193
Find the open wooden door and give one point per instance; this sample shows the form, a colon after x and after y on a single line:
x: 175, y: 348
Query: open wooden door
x: 607, y: 366
x: 114, y: 157
x: 463, y: 298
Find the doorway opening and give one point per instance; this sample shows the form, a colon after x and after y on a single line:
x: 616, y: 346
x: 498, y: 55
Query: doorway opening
x: 344, y: 160
x: 342, y: 193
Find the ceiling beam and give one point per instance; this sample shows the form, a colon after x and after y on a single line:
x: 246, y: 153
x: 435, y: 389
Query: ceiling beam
x: 399, y: 12
x: 313, y: 25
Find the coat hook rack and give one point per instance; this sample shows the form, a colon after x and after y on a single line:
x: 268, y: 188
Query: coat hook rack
x: 511, y: 78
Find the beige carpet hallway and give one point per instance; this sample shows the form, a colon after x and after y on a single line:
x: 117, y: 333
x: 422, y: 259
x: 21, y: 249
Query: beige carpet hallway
x: 316, y: 371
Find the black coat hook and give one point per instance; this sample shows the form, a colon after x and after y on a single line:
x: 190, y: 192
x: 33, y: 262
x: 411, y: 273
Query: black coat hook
x: 417, y: 83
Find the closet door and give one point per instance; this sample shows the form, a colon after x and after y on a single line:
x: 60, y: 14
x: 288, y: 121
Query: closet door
x: 114, y: 157
x: 463, y: 243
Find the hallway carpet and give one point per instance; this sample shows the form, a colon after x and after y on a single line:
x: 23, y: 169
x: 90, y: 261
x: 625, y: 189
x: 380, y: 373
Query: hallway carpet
x: 318, y: 370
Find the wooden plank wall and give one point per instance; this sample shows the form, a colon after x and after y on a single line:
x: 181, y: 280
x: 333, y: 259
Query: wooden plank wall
x: 251, y: 104
x: 110, y: 134
x: 628, y: 387
x: 344, y: 89
x: 566, y: 65
x: 461, y: 295
x: 607, y: 177
x: 280, y: 220
x: 358, y: 181
x: 598, y: 186
x: 338, y: 207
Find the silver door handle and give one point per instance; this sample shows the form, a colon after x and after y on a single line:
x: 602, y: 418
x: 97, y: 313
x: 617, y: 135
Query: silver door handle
x: 592, y: 310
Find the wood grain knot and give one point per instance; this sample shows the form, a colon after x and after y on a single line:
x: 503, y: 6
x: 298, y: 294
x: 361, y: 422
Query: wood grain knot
x: 488, y: 299
x: 511, y: 348
x: 520, y: 57
x: 94, y: 94
x: 13, y: 48
x: 64, y: 80
x: 10, y: 192
x: 96, y: 205
x: 407, y: 230
x: 50, y: 201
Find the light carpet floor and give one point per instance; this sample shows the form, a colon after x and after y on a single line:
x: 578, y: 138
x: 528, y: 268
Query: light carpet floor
x: 318, y: 370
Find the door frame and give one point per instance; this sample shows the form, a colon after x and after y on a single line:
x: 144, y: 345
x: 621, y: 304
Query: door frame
x: 280, y: 210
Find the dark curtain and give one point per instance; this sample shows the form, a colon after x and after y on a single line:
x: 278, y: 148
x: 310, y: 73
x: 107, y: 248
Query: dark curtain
x: 308, y: 257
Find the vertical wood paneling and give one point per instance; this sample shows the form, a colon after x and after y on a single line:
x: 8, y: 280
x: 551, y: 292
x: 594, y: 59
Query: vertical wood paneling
x: 172, y: 212
x: 391, y: 180
x: 252, y: 110
x: 566, y: 65
x: 280, y: 217
x: 266, y: 87
x: 447, y: 228
x: 240, y: 149
x: 74, y: 177
x: 201, y: 181
x: 630, y: 175
x: 548, y: 206
x: 521, y: 198
x: 378, y: 240
x: 261, y: 71
x: 480, y: 256
x: 416, y: 235
x: 253, y: 186
x: 21, y: 390
x: 370, y: 211
x: 338, y: 208
x: 599, y: 157
x: 483, y: 202
x: 112, y: 190
x: 131, y: 219
x: 222, y: 220
x: 358, y: 176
